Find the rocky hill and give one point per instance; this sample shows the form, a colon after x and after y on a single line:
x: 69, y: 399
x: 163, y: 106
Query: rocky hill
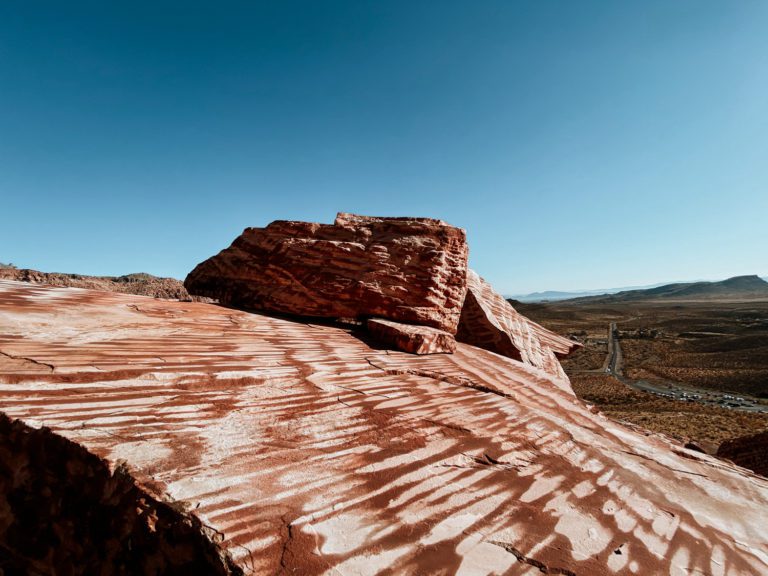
x: 140, y: 284
x: 738, y: 287
x: 220, y: 441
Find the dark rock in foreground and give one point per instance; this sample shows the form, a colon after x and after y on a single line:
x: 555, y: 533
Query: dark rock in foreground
x: 747, y: 451
x: 63, y: 510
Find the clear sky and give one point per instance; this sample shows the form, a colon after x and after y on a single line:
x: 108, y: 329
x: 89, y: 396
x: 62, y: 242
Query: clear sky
x: 581, y: 144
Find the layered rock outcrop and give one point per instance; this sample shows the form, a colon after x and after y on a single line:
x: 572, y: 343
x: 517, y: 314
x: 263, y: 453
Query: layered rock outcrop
x: 410, y: 270
x: 299, y: 449
x: 405, y: 270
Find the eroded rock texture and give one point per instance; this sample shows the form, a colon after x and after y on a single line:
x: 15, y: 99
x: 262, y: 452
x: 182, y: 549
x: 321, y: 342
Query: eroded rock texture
x: 747, y: 451
x: 63, y: 511
x: 411, y: 338
x: 310, y: 452
x: 410, y: 270
x: 490, y: 322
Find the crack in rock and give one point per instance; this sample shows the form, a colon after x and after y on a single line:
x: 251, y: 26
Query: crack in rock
x: 455, y: 380
x: 644, y: 457
x: 453, y: 427
x: 289, y: 528
x: 51, y: 367
x: 532, y: 561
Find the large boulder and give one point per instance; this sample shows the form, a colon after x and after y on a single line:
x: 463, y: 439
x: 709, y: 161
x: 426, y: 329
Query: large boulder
x: 410, y: 270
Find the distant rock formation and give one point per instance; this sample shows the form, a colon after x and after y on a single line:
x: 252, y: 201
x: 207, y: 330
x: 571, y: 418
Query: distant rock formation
x: 747, y: 451
x: 736, y: 288
x: 140, y: 284
x: 409, y: 270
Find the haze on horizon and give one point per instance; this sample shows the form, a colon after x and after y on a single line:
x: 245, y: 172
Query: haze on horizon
x: 582, y: 145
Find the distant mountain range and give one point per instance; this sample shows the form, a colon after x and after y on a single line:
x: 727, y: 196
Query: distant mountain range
x: 738, y: 286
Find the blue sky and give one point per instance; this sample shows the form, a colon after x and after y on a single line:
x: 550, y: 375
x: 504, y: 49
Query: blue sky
x: 581, y: 144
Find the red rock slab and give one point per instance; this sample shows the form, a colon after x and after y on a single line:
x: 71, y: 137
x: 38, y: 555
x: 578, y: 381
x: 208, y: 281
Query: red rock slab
x: 411, y: 338
x: 309, y: 452
x: 409, y: 270
x: 489, y: 321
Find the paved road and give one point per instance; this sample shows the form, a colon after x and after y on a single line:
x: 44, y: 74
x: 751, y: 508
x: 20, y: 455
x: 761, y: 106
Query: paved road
x: 614, y: 365
x: 614, y: 362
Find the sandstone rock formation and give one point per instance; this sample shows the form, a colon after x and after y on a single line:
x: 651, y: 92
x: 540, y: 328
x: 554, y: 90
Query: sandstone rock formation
x: 409, y: 270
x: 140, y: 284
x: 411, y: 338
x: 748, y: 451
x: 305, y: 451
x: 490, y: 322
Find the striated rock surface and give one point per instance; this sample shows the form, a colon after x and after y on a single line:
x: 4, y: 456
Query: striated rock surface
x: 489, y: 321
x: 305, y: 451
x: 409, y: 270
x: 412, y: 271
x: 411, y: 338
x: 748, y: 451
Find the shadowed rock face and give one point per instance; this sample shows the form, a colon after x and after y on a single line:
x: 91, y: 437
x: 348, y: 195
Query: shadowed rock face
x: 308, y: 452
x: 410, y: 270
x: 410, y: 338
x: 747, y: 451
x: 489, y: 321
x: 63, y: 511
